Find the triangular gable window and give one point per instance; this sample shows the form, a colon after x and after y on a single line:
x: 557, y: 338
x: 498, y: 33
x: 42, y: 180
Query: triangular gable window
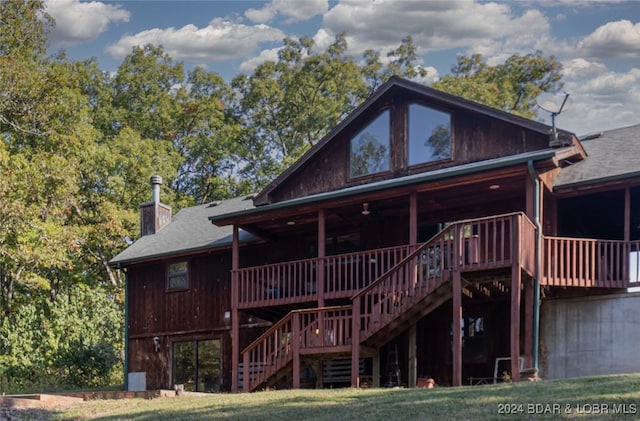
x: 370, y: 147
x: 429, y: 135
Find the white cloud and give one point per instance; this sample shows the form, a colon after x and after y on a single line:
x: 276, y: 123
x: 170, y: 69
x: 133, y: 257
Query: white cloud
x: 221, y: 40
x: 294, y: 11
x: 265, y: 55
x: 435, y: 26
x: 78, y: 22
x: 619, y: 39
x: 601, y: 98
x: 431, y: 77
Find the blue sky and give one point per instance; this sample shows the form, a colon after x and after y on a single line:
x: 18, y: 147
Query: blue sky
x: 598, y: 42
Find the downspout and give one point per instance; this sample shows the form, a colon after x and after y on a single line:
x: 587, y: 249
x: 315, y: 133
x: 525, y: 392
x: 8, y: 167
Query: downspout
x: 536, y: 279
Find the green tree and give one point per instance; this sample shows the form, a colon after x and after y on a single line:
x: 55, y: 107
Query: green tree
x: 288, y: 105
x: 188, y: 117
x: 512, y: 86
x: 75, y: 340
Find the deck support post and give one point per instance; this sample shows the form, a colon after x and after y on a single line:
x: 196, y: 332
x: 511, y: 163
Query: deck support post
x: 457, y: 310
x: 235, y: 322
x: 296, y: 350
x: 515, y: 323
x: 355, y: 345
x: 528, y: 323
x: 320, y: 374
x: 322, y: 242
x: 413, y: 218
x: 516, y: 280
x: 457, y: 329
x: 413, y: 358
x: 375, y: 368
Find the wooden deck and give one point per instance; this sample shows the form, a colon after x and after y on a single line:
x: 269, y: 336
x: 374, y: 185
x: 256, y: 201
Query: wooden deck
x: 385, y: 287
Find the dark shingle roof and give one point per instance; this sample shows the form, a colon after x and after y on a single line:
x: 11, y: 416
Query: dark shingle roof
x: 613, y: 155
x: 190, y: 230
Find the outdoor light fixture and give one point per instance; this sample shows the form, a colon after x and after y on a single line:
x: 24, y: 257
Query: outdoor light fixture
x: 494, y: 187
x: 156, y: 343
x: 365, y: 209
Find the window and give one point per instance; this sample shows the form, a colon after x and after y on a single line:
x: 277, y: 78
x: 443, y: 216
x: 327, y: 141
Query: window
x: 429, y: 135
x: 197, y: 365
x: 178, y: 276
x: 370, y: 147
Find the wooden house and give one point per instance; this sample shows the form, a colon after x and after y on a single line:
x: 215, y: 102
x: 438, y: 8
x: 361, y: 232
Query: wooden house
x: 416, y: 240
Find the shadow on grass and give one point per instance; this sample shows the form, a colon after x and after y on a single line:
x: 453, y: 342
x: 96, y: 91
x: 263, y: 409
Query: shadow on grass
x: 608, y: 397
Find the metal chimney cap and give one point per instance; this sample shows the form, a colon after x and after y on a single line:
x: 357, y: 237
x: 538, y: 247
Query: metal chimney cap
x: 156, y: 179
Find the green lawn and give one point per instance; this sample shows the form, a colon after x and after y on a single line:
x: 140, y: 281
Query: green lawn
x: 608, y: 397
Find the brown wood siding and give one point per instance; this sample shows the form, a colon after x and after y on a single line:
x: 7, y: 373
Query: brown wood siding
x: 154, y: 311
x: 193, y: 314
x: 328, y: 170
x: 475, y: 138
x: 158, y: 365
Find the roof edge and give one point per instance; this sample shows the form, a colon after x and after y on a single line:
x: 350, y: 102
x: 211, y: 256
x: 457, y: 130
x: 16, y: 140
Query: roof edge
x: 415, y: 87
x: 470, y: 168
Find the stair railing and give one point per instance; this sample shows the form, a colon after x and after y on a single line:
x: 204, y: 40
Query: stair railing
x: 310, y: 329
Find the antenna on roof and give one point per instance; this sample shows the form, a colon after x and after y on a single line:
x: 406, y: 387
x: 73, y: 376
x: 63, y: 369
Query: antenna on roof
x: 550, y: 105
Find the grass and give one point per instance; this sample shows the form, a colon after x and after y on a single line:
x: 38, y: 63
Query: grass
x: 602, y: 398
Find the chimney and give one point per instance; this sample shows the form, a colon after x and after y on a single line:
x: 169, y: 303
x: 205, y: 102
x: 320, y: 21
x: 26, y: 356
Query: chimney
x: 156, y: 182
x: 154, y: 215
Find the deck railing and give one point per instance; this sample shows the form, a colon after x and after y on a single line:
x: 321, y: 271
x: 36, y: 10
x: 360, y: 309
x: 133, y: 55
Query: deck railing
x: 485, y: 246
x: 477, y: 244
x: 301, y: 331
x: 583, y: 262
x: 298, y: 281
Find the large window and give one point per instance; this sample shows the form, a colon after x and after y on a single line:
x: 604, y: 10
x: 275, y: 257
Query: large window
x: 370, y: 147
x: 429, y: 135
x: 197, y: 365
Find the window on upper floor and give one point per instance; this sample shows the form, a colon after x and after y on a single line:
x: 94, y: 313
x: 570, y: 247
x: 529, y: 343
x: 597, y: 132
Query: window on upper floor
x: 429, y: 135
x: 370, y: 147
x: 178, y: 276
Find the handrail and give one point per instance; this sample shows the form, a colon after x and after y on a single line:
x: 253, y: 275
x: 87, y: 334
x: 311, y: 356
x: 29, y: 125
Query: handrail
x: 298, y: 281
x: 483, y: 243
x: 588, y: 262
x: 382, y: 299
x: 318, y: 328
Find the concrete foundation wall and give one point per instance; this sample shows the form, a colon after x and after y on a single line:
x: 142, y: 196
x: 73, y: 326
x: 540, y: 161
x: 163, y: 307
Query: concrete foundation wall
x: 590, y: 336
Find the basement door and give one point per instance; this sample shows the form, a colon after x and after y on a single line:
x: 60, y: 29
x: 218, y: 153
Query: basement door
x: 197, y: 365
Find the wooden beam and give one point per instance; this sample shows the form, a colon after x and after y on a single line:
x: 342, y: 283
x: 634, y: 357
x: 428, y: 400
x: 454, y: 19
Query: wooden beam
x: 413, y: 357
x: 528, y: 323
x: 457, y: 309
x: 375, y: 363
x: 516, y: 275
x: 457, y: 329
x: 355, y: 344
x: 413, y: 218
x: 235, y: 321
x: 530, y: 205
x: 322, y: 244
x: 296, y: 350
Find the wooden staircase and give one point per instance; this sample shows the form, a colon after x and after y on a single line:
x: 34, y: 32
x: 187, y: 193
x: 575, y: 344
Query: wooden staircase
x: 411, y: 289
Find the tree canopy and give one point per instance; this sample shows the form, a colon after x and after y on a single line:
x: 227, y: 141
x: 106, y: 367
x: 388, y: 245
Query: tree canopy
x: 78, y: 146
